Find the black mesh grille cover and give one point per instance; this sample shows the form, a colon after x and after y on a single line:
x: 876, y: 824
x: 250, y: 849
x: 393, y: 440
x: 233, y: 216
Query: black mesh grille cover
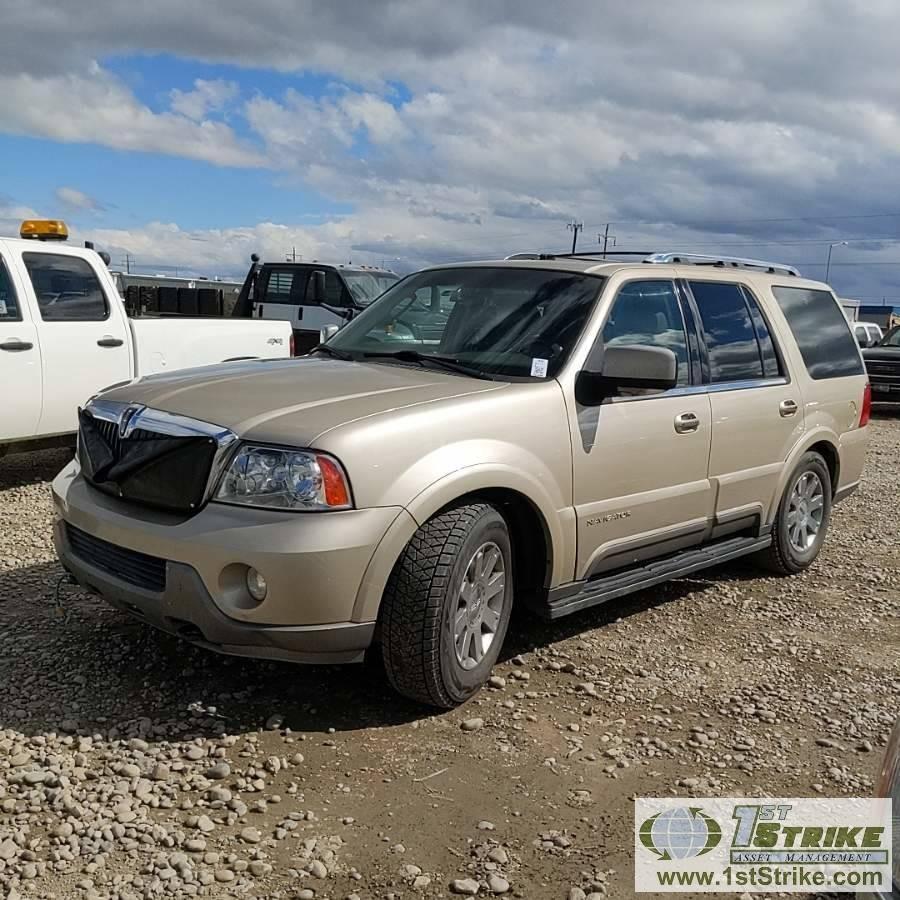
x: 152, y: 469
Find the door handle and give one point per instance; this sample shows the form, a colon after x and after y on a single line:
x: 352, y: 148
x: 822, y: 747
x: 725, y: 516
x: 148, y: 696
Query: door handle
x: 686, y: 423
x: 787, y: 408
x: 15, y: 345
x: 108, y: 341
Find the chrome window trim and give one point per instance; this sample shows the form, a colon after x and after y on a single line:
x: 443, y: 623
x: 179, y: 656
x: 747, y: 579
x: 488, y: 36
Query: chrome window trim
x: 692, y: 390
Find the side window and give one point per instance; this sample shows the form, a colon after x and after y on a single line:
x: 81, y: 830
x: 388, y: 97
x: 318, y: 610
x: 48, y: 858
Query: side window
x: 334, y: 288
x: 821, y: 331
x: 770, y: 360
x: 734, y: 351
x: 285, y: 286
x: 67, y: 288
x: 648, y: 313
x: 9, y: 305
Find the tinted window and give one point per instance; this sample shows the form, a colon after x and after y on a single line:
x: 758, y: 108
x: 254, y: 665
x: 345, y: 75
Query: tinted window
x: 285, y: 286
x: 67, y: 288
x: 501, y: 321
x: 648, y: 313
x: 770, y: 360
x: 334, y: 288
x: 821, y: 331
x: 9, y: 306
x: 734, y: 353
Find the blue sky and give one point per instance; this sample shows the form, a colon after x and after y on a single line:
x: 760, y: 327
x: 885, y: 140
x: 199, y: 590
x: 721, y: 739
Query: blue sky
x: 194, y: 134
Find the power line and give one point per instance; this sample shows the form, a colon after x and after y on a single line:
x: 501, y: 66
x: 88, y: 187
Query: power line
x: 819, y: 218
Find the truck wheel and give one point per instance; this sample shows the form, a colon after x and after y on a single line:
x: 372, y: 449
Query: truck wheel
x: 802, y: 518
x: 447, y: 606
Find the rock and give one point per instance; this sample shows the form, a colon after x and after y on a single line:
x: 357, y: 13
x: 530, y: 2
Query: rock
x: 129, y: 770
x: 576, y: 893
x: 499, y: 856
x: 218, y: 771
x: 205, y: 824
x: 8, y: 850
x: 472, y: 724
x: 306, y: 894
x: 161, y: 772
x: 274, y: 722
x: 318, y: 869
x: 484, y: 825
x: 497, y: 682
x: 224, y: 876
x: 497, y: 885
x: 251, y: 835
x: 465, y: 886
x: 421, y: 882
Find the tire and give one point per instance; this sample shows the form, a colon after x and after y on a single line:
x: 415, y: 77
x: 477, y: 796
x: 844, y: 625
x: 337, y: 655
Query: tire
x: 784, y: 556
x: 441, y: 589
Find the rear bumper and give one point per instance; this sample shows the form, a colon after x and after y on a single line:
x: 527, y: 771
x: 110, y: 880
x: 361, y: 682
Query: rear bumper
x: 186, y: 609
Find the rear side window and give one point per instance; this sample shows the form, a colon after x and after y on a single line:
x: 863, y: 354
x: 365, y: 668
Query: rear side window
x: 285, y: 286
x: 821, y: 331
x: 67, y: 288
x: 770, y: 360
x: 729, y: 332
x: 9, y: 304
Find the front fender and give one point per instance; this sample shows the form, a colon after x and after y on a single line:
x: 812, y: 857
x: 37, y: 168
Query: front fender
x: 467, y: 480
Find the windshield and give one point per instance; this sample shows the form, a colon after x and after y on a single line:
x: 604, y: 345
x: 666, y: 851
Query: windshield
x: 364, y: 287
x: 499, y: 321
x: 892, y: 338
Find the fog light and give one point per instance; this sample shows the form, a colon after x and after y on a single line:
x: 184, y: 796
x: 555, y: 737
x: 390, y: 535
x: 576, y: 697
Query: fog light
x: 256, y: 585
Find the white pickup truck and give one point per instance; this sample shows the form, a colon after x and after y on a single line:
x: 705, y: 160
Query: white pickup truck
x: 64, y: 335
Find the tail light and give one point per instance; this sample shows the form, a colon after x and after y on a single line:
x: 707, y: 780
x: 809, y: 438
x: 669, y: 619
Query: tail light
x: 293, y: 345
x: 866, y: 412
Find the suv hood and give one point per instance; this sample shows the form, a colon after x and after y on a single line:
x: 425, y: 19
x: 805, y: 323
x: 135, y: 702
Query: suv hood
x: 886, y: 354
x: 293, y: 401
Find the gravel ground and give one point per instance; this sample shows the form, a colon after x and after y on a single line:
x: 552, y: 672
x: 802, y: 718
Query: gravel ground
x: 134, y: 766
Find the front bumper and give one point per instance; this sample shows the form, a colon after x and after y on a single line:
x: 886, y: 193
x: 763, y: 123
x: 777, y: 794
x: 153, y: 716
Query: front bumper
x: 186, y: 610
x: 316, y: 567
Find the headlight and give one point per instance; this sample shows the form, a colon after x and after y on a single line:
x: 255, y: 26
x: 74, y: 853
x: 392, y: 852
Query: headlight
x: 282, y: 478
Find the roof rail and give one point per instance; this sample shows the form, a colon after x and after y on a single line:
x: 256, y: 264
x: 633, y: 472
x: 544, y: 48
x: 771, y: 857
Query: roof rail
x: 737, y: 262
x: 695, y: 259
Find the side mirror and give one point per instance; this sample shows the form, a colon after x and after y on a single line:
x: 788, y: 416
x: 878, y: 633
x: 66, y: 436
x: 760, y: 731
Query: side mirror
x: 329, y: 331
x: 627, y: 367
x: 315, y: 290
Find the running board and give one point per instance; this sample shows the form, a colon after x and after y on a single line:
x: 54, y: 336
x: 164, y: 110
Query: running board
x: 580, y: 595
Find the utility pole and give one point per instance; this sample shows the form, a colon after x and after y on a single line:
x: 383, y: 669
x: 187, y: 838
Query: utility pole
x: 292, y: 256
x: 574, y: 227
x: 127, y: 263
x: 603, y: 238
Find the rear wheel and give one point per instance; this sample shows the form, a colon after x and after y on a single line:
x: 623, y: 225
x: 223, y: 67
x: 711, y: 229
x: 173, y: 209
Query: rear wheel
x: 802, y: 519
x: 447, y: 606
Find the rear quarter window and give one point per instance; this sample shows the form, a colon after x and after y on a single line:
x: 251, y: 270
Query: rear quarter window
x: 821, y: 331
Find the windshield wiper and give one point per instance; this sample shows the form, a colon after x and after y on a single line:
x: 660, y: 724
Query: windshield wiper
x: 425, y: 359
x: 333, y: 351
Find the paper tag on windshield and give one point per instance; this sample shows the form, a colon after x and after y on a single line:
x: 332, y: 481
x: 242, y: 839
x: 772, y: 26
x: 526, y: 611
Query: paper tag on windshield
x: 539, y: 368
x: 2, y: 307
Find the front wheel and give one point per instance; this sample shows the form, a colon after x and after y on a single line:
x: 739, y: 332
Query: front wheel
x: 802, y: 518
x: 447, y: 606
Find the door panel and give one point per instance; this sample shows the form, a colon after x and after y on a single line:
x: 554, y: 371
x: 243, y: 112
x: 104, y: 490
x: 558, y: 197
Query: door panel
x: 640, y: 463
x: 752, y: 437
x: 638, y: 482
x: 85, y: 340
x: 20, y: 363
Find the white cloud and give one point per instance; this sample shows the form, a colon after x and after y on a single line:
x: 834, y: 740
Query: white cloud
x: 206, y: 97
x: 90, y: 106
x: 78, y: 201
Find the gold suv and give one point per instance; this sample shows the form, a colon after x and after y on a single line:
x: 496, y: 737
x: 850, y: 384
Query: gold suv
x: 556, y: 431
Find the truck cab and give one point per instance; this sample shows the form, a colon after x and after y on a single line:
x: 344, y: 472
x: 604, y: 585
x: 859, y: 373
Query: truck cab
x: 311, y: 296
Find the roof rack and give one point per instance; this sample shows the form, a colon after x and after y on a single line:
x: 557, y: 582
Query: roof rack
x: 668, y: 258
